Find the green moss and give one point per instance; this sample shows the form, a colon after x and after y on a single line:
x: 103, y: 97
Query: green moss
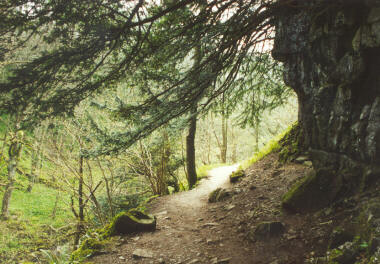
x: 88, y: 248
x: 128, y: 222
x: 374, y: 260
x: 335, y: 254
x: 295, y: 194
x: 237, y: 175
x: 315, y: 191
x: 290, y: 144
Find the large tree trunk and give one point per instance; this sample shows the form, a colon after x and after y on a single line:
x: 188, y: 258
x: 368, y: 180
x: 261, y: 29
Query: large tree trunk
x: 190, y: 149
x: 14, y: 156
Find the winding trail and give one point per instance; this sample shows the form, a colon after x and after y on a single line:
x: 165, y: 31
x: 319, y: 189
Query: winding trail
x: 192, y: 231
x: 197, y: 197
x: 188, y: 231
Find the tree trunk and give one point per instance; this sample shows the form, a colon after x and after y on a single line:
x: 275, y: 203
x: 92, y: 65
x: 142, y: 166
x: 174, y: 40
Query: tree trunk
x: 234, y: 146
x: 223, y: 150
x: 36, y: 163
x: 14, y: 156
x: 33, y: 167
x: 163, y: 173
x: 80, y: 226
x: 190, y: 149
x: 257, y: 123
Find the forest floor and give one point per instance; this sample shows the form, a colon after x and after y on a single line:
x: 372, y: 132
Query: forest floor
x: 191, y: 230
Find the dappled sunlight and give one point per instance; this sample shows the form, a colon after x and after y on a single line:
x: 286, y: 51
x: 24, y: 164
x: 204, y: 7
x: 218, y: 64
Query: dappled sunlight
x: 197, y: 197
x: 219, y: 176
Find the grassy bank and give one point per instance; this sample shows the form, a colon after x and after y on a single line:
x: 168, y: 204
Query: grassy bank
x: 38, y: 220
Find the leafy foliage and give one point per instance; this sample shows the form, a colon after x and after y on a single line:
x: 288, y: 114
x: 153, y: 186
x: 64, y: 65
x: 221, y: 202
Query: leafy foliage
x: 94, y: 45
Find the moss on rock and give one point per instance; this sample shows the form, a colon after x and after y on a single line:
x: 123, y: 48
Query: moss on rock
x: 314, y: 191
x: 290, y: 144
x: 124, y: 223
x: 130, y: 222
x: 237, y: 175
x: 89, y: 247
x: 218, y: 195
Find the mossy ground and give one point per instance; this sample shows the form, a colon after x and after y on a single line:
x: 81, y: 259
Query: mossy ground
x: 88, y: 248
x: 100, y: 239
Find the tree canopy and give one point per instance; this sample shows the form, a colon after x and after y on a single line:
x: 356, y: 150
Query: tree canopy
x: 85, y: 46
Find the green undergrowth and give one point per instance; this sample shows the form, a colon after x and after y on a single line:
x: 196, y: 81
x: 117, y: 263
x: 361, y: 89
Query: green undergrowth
x: 32, y: 225
x: 39, y: 204
x: 89, y: 247
x: 270, y: 146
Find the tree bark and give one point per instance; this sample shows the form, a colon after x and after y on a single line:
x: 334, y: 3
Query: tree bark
x: 257, y: 125
x: 36, y: 164
x: 223, y: 150
x: 234, y: 146
x: 190, y: 149
x: 32, y: 176
x: 80, y: 226
x: 14, y: 156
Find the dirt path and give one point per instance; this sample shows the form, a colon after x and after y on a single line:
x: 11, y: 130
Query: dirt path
x: 190, y: 230
x: 187, y: 231
x: 195, y: 199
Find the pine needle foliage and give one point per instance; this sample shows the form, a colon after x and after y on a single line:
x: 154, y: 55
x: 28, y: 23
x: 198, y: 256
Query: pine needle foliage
x: 91, y: 46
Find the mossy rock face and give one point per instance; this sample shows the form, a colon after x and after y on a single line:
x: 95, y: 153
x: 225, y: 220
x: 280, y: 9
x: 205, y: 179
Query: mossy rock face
x: 315, y: 191
x: 236, y: 176
x: 131, y: 222
x: 290, y: 144
x: 218, y: 195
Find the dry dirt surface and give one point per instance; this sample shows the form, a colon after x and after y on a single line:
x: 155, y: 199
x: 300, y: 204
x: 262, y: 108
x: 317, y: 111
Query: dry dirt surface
x: 191, y: 230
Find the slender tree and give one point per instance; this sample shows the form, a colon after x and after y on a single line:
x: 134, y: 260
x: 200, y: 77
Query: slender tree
x: 14, y: 152
x: 190, y: 149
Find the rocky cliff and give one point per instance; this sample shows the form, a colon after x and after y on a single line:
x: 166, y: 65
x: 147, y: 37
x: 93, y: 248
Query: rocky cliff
x: 331, y: 53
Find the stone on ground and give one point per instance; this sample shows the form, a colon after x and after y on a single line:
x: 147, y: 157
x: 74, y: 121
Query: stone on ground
x: 142, y: 253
